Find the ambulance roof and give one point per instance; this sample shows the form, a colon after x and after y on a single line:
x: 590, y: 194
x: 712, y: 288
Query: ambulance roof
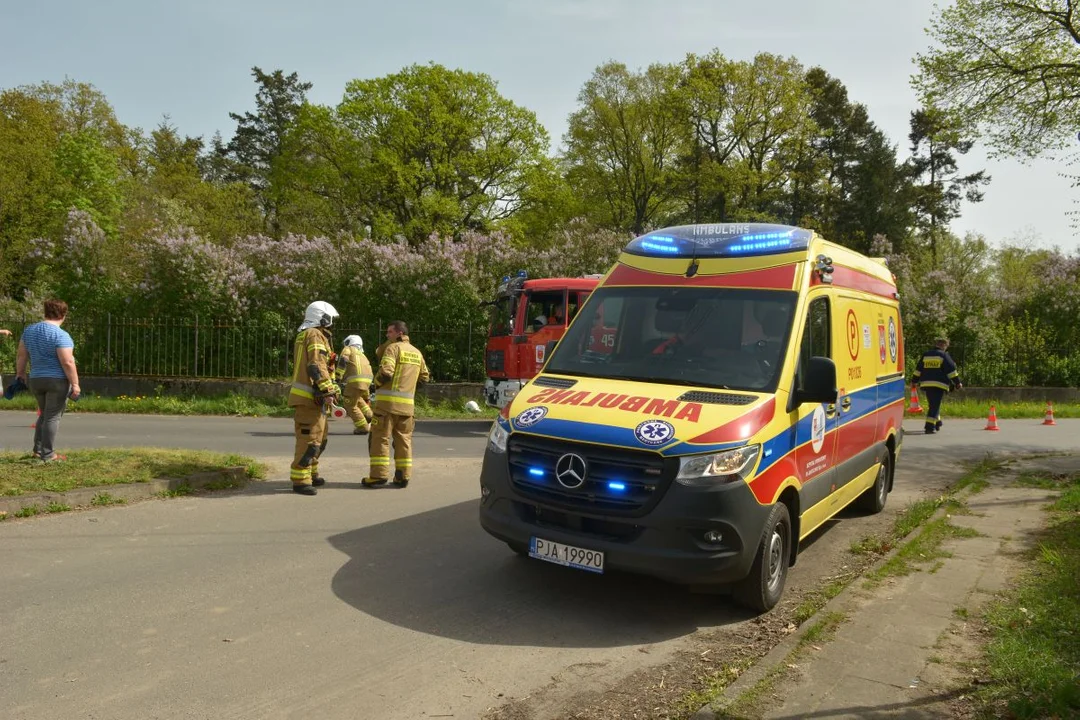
x: 721, y: 240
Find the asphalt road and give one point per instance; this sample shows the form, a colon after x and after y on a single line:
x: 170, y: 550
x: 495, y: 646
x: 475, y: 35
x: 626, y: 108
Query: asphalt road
x: 353, y: 604
x: 259, y: 437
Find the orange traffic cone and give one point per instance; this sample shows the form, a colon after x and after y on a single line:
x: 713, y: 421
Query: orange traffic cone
x: 914, y: 408
x: 991, y: 422
x: 1048, y: 419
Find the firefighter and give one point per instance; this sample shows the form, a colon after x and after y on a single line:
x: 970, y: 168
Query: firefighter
x: 353, y: 373
x: 313, y: 391
x: 937, y: 374
x: 401, y: 368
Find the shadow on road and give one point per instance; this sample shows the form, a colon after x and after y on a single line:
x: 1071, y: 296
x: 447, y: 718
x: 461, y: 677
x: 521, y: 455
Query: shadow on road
x: 437, y: 428
x: 438, y: 573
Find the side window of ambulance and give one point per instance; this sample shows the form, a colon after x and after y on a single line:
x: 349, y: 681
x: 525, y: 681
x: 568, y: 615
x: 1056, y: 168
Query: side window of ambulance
x: 815, y: 339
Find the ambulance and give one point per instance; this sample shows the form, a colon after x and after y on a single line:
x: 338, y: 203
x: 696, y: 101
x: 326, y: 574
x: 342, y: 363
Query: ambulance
x: 753, y: 388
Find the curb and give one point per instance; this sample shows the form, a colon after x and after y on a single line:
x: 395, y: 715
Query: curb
x: 83, y: 497
x: 844, y: 601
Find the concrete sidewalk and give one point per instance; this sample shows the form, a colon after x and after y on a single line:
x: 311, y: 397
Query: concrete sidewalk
x: 885, y: 659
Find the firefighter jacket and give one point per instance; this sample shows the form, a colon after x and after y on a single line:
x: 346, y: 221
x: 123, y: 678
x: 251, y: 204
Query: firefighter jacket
x: 311, y: 378
x: 354, y: 371
x: 402, y: 366
x: 936, y: 370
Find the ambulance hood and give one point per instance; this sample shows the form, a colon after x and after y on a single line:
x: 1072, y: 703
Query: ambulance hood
x: 669, y: 419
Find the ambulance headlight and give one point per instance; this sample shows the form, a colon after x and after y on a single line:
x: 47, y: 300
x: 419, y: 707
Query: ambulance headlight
x: 497, y: 438
x: 717, y: 468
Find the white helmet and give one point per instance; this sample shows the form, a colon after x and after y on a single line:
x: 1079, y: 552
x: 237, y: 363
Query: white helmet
x: 472, y: 406
x: 319, y: 314
x: 354, y: 340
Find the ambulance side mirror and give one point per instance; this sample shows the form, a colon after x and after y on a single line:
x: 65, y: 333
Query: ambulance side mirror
x: 818, y: 385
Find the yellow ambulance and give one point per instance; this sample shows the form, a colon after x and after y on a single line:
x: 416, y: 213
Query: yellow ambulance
x: 725, y: 390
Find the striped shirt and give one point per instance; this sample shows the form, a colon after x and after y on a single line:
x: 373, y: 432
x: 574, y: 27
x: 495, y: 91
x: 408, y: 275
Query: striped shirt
x: 42, y: 340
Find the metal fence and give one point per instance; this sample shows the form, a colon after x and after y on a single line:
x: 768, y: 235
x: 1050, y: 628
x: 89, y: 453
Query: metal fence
x: 213, y: 348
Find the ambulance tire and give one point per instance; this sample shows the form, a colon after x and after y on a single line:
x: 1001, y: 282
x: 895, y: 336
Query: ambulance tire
x: 762, y: 588
x: 872, y: 501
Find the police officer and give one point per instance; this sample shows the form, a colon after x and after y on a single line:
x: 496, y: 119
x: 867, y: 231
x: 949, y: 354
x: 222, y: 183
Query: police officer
x: 936, y: 373
x: 353, y: 372
x: 401, y: 368
x: 312, y: 392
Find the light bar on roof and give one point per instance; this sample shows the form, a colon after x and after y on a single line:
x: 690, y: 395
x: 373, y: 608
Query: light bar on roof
x: 721, y: 240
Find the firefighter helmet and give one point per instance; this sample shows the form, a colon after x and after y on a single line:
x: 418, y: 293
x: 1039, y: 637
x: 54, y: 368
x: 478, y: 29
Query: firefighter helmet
x: 354, y: 340
x: 319, y: 314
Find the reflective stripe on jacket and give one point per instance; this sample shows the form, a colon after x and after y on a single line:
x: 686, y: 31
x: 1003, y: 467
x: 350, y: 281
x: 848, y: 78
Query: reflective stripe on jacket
x: 936, y: 369
x: 354, y: 370
x: 312, y: 347
x: 402, y: 366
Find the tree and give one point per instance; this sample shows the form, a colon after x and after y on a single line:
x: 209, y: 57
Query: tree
x: 426, y: 150
x: 936, y: 138
x: 623, y: 145
x: 259, y: 140
x: 1010, y: 69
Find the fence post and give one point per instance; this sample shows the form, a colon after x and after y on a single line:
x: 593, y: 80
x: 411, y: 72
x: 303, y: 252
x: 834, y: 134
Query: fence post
x: 195, y: 371
x: 468, y: 356
x: 108, y: 345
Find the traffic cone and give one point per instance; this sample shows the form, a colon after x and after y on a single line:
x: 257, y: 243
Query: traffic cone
x: 1048, y: 419
x: 991, y: 422
x: 915, y: 408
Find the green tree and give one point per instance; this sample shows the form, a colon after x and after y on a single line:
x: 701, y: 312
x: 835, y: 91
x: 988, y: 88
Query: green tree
x: 428, y: 150
x: 936, y: 138
x: 259, y: 141
x: 623, y: 145
x: 1009, y: 69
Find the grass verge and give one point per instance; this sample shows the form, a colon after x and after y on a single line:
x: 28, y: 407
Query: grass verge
x: 960, y: 407
x: 20, y: 474
x: 1034, y: 652
x: 234, y: 404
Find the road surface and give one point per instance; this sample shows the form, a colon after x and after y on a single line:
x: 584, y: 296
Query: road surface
x: 356, y: 603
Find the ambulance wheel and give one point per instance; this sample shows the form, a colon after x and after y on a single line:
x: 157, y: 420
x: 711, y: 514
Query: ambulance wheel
x: 873, y: 499
x: 762, y: 588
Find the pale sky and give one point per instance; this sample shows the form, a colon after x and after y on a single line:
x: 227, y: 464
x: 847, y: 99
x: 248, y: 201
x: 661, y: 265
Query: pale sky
x: 191, y: 60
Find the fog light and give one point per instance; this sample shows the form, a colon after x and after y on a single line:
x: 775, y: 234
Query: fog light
x: 484, y: 492
x: 714, y: 537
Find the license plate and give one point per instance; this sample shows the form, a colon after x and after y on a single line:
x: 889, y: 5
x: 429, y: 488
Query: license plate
x: 568, y: 555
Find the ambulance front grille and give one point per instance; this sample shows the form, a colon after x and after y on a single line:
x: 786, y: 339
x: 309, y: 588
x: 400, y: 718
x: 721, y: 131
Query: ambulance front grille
x: 617, y: 482
x: 715, y: 398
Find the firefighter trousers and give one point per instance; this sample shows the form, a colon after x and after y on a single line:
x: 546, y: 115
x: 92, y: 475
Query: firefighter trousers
x: 934, y: 396
x: 385, y: 426
x: 309, y: 424
x: 356, y: 405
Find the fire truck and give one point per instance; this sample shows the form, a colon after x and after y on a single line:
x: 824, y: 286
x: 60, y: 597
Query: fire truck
x: 525, y: 316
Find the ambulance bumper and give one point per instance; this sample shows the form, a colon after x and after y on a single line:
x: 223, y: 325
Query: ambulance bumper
x: 668, y: 542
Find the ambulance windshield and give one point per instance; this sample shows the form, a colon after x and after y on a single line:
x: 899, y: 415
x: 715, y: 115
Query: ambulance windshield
x: 700, y: 336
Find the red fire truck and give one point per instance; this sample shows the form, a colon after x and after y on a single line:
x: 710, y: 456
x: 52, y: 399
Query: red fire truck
x: 525, y: 316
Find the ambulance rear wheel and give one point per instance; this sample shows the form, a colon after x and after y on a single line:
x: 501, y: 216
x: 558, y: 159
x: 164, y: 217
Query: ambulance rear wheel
x: 762, y: 588
x: 873, y: 499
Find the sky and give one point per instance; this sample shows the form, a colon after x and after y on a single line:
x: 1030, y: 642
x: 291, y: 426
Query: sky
x: 192, y: 60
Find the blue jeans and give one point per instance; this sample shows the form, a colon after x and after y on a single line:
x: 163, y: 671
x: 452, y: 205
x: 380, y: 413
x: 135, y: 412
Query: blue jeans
x: 51, y: 394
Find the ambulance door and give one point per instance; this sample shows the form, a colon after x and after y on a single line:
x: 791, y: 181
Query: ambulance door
x: 857, y: 320
x: 815, y: 430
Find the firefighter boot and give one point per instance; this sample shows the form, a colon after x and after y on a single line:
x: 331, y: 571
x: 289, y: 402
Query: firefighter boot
x: 929, y: 428
x: 372, y: 482
x: 304, y: 490
x: 400, y: 480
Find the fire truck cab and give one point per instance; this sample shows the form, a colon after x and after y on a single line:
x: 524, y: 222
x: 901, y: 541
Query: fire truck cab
x: 525, y: 316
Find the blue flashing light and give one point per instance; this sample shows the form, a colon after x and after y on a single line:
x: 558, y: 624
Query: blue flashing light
x: 536, y: 472
x: 659, y: 248
x: 522, y: 273
x: 721, y: 240
x: 506, y: 278
x: 616, y: 486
